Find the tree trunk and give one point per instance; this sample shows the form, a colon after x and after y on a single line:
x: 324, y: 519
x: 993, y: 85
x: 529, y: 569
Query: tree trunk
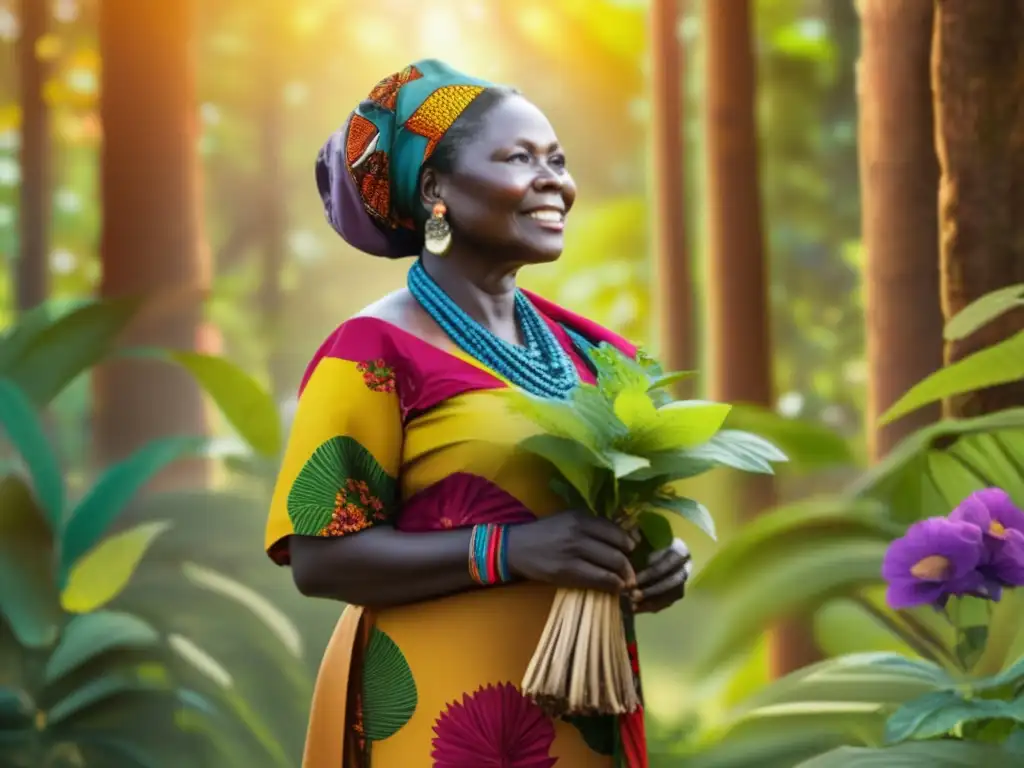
x: 739, y: 339
x: 899, y: 193
x: 32, y: 281
x: 152, y: 242
x: 977, y: 60
x: 677, y: 310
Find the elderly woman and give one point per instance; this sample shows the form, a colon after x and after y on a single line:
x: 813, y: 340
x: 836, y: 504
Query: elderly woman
x: 447, y: 548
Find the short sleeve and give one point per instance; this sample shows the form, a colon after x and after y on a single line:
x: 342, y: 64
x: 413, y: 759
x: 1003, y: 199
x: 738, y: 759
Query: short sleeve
x: 339, y: 473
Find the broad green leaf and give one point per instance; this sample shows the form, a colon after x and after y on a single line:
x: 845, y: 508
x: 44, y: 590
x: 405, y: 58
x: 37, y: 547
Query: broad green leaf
x: 634, y: 408
x: 623, y: 464
x: 984, y: 310
x: 271, y: 616
x: 553, y: 417
x: 680, y: 424
x: 246, y: 405
x: 901, y: 479
x: 573, y: 460
x: 97, y: 692
x: 807, y: 444
x: 938, y: 713
x: 101, y: 506
x: 656, y: 529
x: 666, y: 380
x: 28, y: 593
x: 773, y: 535
x: 1011, y: 676
x: 932, y: 754
x: 786, y: 742
x: 955, y: 480
x: 91, y: 635
x: 1005, y: 636
x: 101, y: 575
x: 999, y: 364
x: 68, y: 347
x: 786, y: 581
x: 742, y: 451
x: 873, y: 678
x: 24, y: 429
x: 692, y: 510
x: 17, y: 338
x: 986, y: 456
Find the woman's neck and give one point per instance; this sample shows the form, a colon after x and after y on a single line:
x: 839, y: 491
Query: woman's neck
x: 486, y: 292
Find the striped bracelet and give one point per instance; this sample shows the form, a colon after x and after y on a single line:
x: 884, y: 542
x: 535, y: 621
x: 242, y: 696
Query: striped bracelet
x: 488, y: 554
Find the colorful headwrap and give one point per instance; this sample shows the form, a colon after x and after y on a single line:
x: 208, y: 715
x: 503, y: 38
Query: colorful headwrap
x: 368, y: 171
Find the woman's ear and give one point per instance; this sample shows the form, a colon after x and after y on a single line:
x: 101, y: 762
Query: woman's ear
x: 430, y: 188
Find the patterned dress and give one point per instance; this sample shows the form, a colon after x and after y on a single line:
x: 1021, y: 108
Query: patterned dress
x: 392, y: 431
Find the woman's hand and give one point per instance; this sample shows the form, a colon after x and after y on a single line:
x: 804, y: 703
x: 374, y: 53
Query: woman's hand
x: 573, y: 549
x: 663, y: 582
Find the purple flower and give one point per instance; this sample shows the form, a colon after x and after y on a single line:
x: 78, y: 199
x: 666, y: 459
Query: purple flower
x: 1002, y: 527
x: 935, y: 559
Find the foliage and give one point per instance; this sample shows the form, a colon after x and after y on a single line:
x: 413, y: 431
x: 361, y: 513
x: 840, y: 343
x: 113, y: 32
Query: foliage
x: 619, y: 445
x: 81, y: 658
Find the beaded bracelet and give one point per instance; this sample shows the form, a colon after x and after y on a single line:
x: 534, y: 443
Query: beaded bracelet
x: 488, y: 554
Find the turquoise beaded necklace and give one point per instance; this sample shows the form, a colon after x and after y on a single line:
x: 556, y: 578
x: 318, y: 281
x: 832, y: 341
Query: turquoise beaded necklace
x: 541, y: 367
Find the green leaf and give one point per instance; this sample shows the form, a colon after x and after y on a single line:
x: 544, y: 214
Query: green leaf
x: 983, y: 310
x: 666, y: 380
x: 680, y: 424
x: 95, y: 693
x: 938, y: 713
x: 656, y: 529
x: 1011, y: 676
x: 987, y: 457
x: 247, y: 406
x: 742, y: 451
x: 16, y: 339
x: 933, y: 754
x: 634, y: 408
x: 807, y: 444
x: 784, y: 581
x: 25, y: 431
x: 560, y: 418
x: 902, y: 481
x: 954, y: 480
x: 692, y: 510
x: 275, y: 620
x: 101, y: 575
x: 623, y: 464
x: 91, y: 635
x: 999, y: 364
x: 580, y: 467
x: 773, y: 535
x: 71, y: 345
x: 101, y: 506
x: 28, y: 593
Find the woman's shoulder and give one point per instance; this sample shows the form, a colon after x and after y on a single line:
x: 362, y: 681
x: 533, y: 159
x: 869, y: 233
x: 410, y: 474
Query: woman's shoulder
x: 387, y: 333
x: 590, y: 330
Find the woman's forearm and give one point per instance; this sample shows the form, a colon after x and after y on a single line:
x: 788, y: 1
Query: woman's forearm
x: 382, y: 567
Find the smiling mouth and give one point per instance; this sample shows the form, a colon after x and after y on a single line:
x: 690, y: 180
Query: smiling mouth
x: 549, y: 218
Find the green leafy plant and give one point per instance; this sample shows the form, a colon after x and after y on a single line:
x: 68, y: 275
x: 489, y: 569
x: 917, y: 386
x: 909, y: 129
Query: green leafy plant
x: 148, y: 692
x: 616, y: 449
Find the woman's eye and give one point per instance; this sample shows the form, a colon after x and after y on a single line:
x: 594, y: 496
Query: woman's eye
x: 558, y: 161
x: 519, y: 157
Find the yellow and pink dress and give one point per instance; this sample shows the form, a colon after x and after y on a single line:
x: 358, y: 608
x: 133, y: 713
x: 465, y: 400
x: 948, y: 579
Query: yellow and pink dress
x: 387, y: 432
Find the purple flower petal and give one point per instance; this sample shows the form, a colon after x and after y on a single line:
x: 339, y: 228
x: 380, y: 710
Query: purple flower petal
x: 936, y: 558
x: 1002, y: 524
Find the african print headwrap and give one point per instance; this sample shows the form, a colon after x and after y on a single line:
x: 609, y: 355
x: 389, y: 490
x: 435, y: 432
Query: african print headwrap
x: 368, y: 171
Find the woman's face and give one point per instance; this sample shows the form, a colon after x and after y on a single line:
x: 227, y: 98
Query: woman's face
x: 509, y: 191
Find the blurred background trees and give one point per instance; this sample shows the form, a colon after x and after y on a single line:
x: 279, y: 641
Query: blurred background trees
x: 791, y: 196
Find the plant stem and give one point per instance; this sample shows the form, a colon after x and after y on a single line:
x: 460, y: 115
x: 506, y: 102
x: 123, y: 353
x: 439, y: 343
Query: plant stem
x: 910, y: 638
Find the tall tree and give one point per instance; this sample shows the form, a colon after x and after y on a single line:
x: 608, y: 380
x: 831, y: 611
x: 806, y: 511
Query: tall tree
x: 977, y: 61
x: 899, y: 192
x: 32, y: 282
x: 676, y: 309
x: 152, y: 243
x: 739, y: 341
